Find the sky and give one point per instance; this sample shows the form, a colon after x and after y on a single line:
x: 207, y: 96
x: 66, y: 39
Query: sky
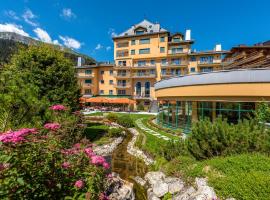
x: 87, y: 26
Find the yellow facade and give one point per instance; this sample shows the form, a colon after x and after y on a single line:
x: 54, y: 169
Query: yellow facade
x: 145, y: 54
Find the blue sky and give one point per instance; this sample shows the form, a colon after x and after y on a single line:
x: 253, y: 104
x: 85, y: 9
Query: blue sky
x: 87, y: 25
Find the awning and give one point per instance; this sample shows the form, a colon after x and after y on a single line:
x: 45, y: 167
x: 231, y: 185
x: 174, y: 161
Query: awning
x: 107, y: 100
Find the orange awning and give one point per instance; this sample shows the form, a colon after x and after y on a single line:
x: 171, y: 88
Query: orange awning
x: 107, y: 100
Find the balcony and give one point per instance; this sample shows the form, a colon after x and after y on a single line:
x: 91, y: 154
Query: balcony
x: 121, y: 54
x: 122, y: 44
x: 174, y: 65
x: 122, y: 75
x: 209, y: 62
x: 143, y: 75
x: 168, y: 74
x: 142, y: 96
x: 122, y: 85
x: 120, y: 67
x: 136, y: 66
x: 174, y: 52
x: 84, y: 75
x: 86, y: 85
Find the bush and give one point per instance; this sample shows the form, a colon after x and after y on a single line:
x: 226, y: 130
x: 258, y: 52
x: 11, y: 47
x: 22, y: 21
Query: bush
x: 140, y: 107
x: 218, y: 138
x: 126, y: 121
x: 171, y: 149
x: 112, y: 117
x: 115, y: 132
x: 262, y: 113
x: 46, y: 163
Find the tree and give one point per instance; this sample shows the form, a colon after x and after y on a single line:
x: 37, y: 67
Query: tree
x: 37, y: 76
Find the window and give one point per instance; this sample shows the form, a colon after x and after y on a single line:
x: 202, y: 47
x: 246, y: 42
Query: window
x: 138, y: 88
x: 178, y: 72
x: 111, y: 82
x: 206, y: 69
x: 132, y: 52
x: 133, y: 42
x: 101, y: 91
x: 88, y: 71
x: 102, y: 81
x: 88, y: 81
x: 144, y: 51
x: 177, y: 50
x: 163, y: 71
x: 164, y: 62
x: 145, y: 41
x: 162, y: 49
x: 162, y: 39
x: 88, y: 91
x: 102, y: 72
x: 139, y: 32
x: 176, y: 39
x: 121, y: 92
x: 192, y: 58
x: 152, y: 62
x: 147, y: 89
x: 176, y: 61
x: 110, y: 92
x: 192, y: 69
x: 141, y: 63
x: 122, y: 63
x: 152, y: 71
x: 206, y: 59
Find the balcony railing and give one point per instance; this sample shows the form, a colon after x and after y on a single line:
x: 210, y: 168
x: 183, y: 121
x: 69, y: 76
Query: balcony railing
x: 176, y: 52
x: 144, y: 66
x: 122, y: 54
x: 87, y: 84
x: 143, y: 75
x: 142, y: 96
x: 170, y: 74
x: 122, y: 85
x: 172, y: 64
x: 123, y: 75
x: 122, y: 44
x: 209, y: 62
x: 84, y: 75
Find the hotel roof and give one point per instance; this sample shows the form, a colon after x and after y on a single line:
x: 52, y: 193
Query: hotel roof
x: 150, y: 28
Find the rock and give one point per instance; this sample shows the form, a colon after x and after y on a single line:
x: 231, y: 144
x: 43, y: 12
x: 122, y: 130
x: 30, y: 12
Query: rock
x: 231, y: 199
x: 160, y: 188
x: 153, y: 177
x: 174, y: 184
x: 200, y: 182
x: 185, y: 195
x: 120, y: 189
x: 151, y: 195
x: 140, y: 181
x: 106, y: 149
x: 204, y: 192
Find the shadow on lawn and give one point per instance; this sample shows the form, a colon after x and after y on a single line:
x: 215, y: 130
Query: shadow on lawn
x: 94, y: 131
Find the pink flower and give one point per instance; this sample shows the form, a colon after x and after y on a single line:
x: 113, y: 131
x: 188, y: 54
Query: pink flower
x: 58, y: 107
x: 106, y: 165
x: 16, y: 136
x: 66, y: 165
x: 52, y: 126
x: 89, y: 152
x: 77, y: 146
x: 79, y: 184
x: 103, y: 196
x: 97, y: 160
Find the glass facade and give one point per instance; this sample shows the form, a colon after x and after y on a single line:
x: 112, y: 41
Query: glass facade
x: 181, y: 114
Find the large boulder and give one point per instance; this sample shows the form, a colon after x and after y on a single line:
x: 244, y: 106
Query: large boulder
x: 160, y: 188
x: 151, y: 195
x: 153, y: 177
x: 204, y: 192
x: 185, y: 194
x: 174, y: 184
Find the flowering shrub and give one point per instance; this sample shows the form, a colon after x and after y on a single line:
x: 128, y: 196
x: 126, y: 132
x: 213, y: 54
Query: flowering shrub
x: 57, y: 107
x: 52, y: 162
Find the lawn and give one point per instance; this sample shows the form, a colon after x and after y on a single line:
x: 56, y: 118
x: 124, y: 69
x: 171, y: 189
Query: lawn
x: 245, y: 176
x: 96, y: 133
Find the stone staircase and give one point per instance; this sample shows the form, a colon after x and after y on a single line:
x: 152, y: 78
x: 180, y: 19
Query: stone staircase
x: 153, y: 107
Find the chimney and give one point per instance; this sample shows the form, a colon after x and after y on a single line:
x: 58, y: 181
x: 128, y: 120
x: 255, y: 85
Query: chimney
x: 188, y: 35
x: 79, y: 63
x: 218, y: 47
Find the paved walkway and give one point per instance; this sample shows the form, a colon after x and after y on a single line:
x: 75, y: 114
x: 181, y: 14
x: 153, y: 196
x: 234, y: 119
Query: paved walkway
x: 150, y: 131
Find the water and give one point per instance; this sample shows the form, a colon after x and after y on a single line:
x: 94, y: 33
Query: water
x: 128, y: 166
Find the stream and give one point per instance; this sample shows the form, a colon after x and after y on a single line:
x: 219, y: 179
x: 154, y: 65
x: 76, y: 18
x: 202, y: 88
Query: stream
x: 128, y: 166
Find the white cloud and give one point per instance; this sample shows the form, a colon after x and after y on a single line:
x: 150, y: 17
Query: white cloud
x: 108, y: 48
x: 98, y: 47
x: 112, y: 32
x: 67, y: 13
x: 43, y: 35
x: 11, y: 14
x: 13, y: 28
x: 29, y: 16
x: 70, y: 42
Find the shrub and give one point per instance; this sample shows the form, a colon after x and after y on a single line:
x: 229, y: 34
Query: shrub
x: 262, y: 113
x: 140, y: 107
x: 171, y: 149
x: 112, y: 117
x: 115, y: 132
x: 126, y: 121
x: 45, y: 163
x: 218, y: 138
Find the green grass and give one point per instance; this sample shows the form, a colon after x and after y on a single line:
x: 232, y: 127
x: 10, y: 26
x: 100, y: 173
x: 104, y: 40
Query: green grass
x: 95, y: 131
x: 95, y: 114
x: 245, y: 176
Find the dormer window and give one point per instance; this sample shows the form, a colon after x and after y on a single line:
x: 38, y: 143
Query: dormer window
x: 139, y: 32
x: 176, y: 39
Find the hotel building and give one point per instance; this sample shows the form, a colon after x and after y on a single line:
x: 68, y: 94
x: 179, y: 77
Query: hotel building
x: 232, y: 93
x: 144, y: 54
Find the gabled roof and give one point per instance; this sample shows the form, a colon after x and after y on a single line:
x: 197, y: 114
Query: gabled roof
x: 149, y: 27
